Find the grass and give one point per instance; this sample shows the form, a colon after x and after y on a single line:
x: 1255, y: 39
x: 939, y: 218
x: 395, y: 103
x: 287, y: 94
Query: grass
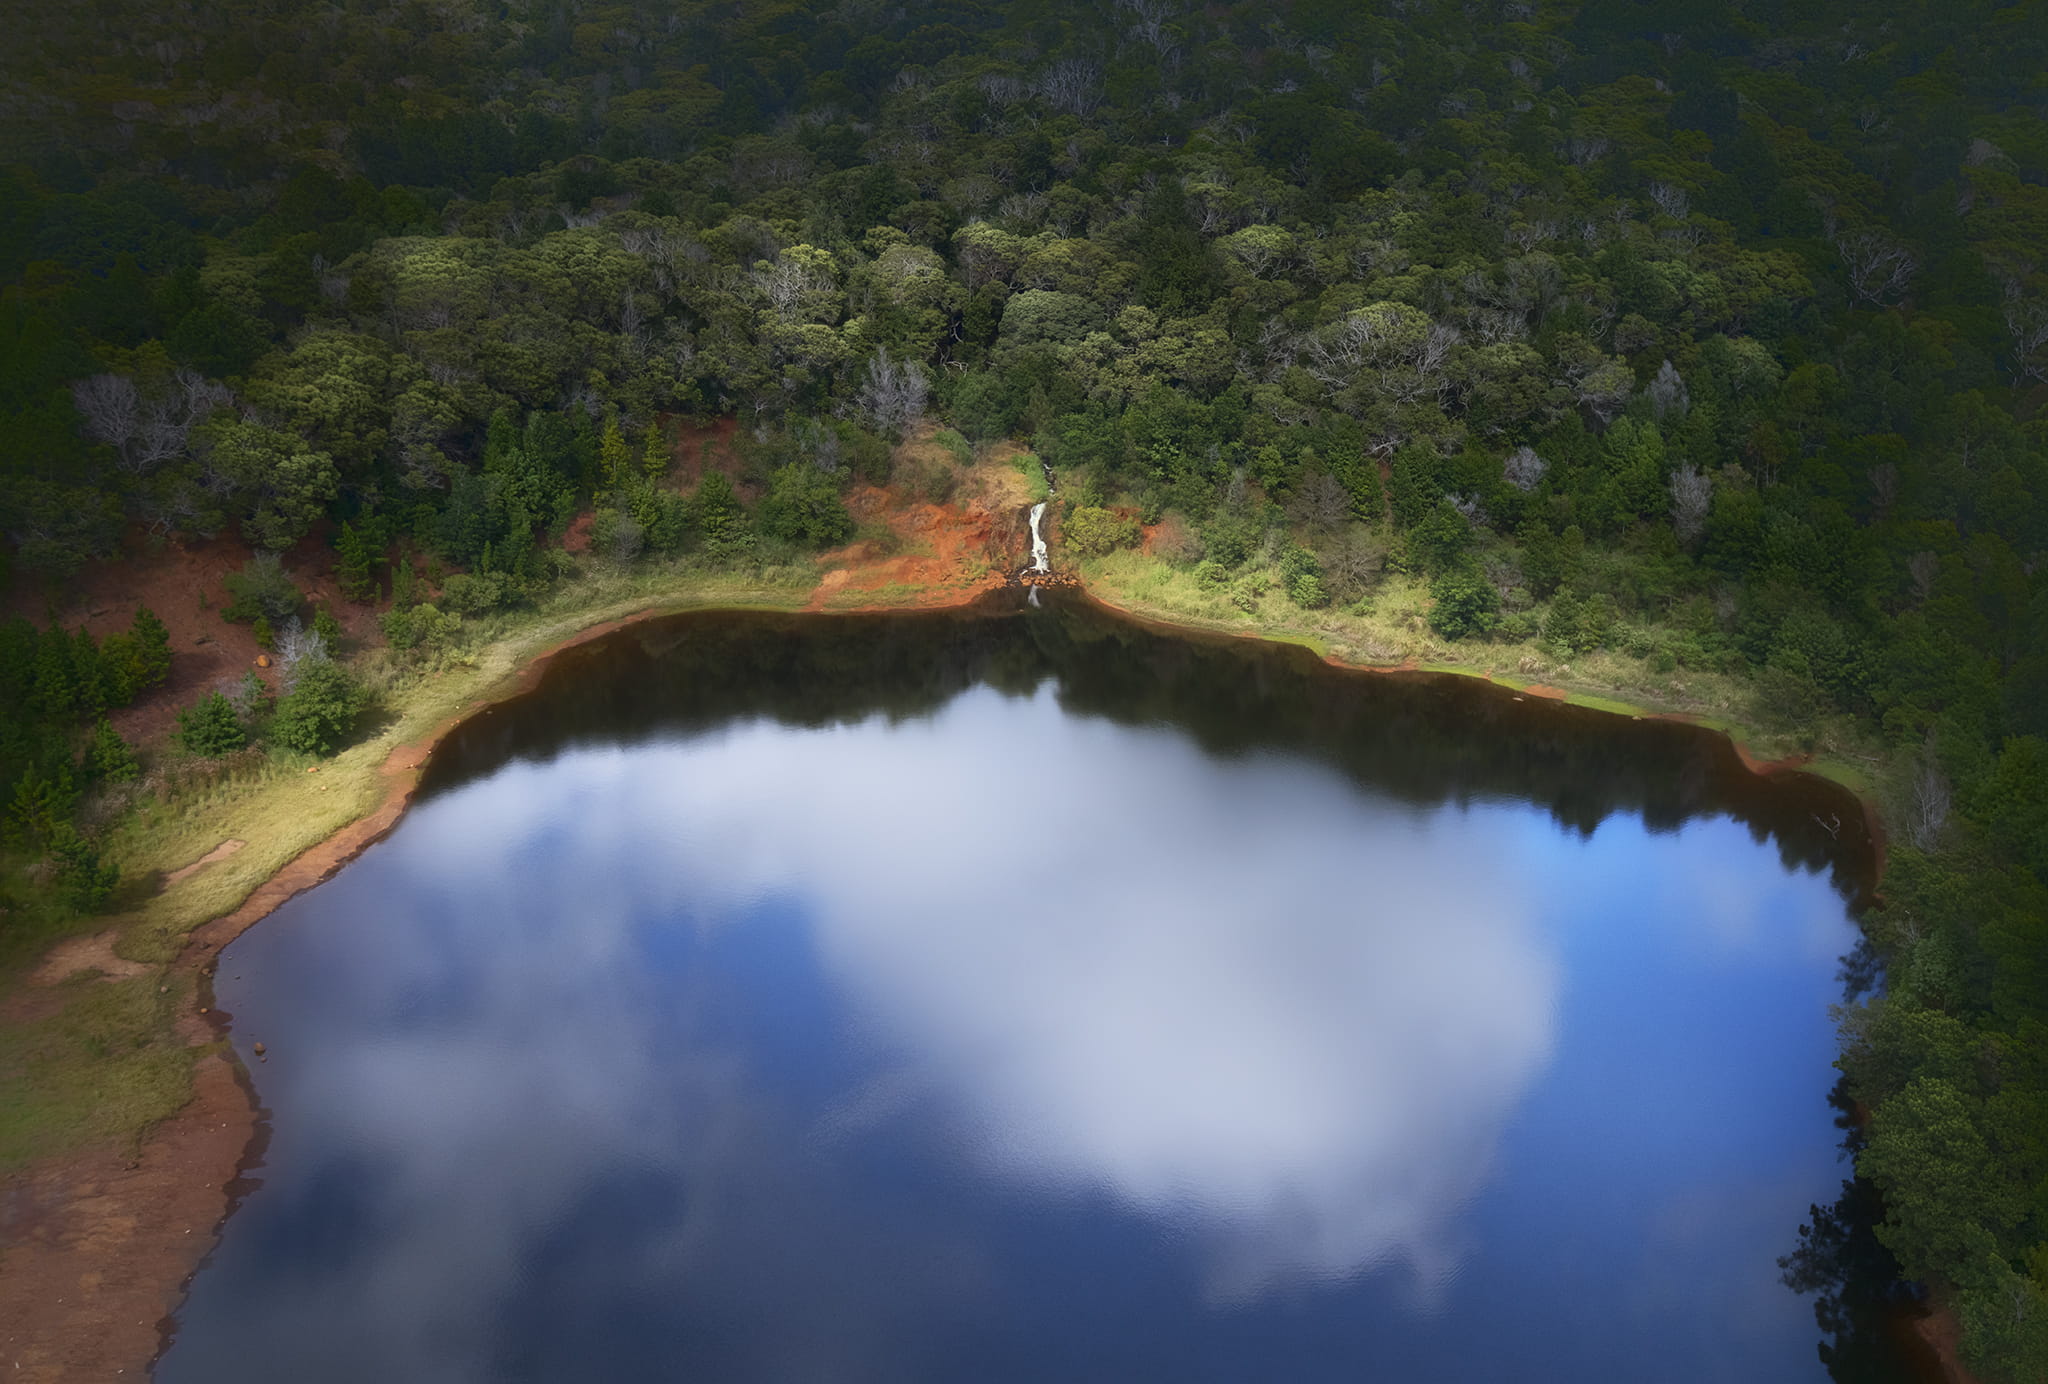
x: 100, y: 1061
x: 1029, y: 467
x: 1392, y: 630
x: 105, y: 1066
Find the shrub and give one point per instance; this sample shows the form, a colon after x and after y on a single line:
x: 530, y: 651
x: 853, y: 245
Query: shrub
x: 85, y: 881
x: 261, y: 590
x: 1465, y: 604
x: 803, y: 506
x: 316, y: 716
x: 1093, y: 531
x: 423, y: 626
x: 473, y: 593
x: 1306, y: 591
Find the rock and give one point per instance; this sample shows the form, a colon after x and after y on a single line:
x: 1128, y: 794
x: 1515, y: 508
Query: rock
x: 263, y: 660
x: 258, y: 1050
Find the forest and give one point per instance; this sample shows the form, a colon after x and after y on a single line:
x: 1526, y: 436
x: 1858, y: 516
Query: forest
x: 1714, y: 333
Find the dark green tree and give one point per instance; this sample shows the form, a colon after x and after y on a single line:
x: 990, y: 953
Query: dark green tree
x: 210, y: 727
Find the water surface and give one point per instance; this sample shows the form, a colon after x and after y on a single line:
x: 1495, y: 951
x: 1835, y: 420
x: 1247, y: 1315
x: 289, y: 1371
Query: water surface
x: 1034, y: 998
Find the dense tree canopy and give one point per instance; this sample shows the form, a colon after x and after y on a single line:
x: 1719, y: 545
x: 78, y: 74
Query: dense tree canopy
x: 1718, y: 332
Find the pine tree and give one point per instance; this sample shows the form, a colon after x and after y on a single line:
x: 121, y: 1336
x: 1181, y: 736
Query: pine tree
x: 614, y: 462
x: 654, y: 454
x: 56, y: 685
x: 210, y: 727
x: 152, y: 650
x: 86, y: 881
x: 355, y: 567
x: 716, y: 512
x: 108, y: 757
x: 41, y: 804
x: 89, y: 674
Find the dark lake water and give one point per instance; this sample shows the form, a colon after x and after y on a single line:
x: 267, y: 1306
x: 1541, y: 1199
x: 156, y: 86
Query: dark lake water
x: 1031, y: 997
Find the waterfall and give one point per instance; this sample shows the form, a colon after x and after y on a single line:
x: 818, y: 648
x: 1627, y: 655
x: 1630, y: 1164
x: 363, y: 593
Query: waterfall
x: 1038, y: 553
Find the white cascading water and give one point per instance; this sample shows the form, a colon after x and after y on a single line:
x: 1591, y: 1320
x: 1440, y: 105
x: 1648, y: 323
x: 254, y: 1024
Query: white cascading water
x: 1038, y: 553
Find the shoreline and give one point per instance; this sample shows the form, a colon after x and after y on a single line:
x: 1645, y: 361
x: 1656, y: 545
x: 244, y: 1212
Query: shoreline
x: 171, y: 1198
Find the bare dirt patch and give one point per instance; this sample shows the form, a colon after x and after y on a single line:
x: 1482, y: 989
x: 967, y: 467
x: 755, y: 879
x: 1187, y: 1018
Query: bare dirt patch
x: 185, y: 584
x: 94, y: 953
x: 220, y: 852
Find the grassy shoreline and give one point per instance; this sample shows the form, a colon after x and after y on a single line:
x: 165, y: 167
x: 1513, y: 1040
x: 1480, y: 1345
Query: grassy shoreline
x: 127, y: 1063
x: 282, y: 806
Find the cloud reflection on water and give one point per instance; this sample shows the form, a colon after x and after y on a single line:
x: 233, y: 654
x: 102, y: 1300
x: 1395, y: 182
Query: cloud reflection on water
x: 1239, y: 996
x: 1247, y: 1003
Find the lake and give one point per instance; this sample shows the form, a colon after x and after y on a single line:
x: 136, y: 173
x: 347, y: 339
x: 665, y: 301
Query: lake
x: 1024, y: 995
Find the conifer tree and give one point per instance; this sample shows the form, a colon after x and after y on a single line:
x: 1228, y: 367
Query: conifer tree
x: 151, y: 650
x: 654, y: 454
x: 614, y: 462
x: 210, y: 727
x: 109, y: 758
x: 355, y: 568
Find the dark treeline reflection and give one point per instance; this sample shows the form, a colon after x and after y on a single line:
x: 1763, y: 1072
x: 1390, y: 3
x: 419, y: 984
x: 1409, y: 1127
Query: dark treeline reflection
x: 1021, y: 994
x: 1423, y: 738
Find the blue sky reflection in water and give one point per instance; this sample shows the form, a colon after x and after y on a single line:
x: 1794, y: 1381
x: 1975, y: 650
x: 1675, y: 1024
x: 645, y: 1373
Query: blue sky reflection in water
x: 1011, y: 1043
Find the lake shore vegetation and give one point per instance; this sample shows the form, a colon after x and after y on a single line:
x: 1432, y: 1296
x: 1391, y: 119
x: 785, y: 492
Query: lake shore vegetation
x: 1678, y: 358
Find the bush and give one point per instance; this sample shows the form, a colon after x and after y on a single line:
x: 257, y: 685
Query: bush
x: 802, y: 506
x: 926, y: 478
x: 1306, y: 590
x: 1466, y: 605
x: 261, y: 590
x: 1248, y: 591
x: 316, y: 716
x: 423, y: 626
x: 84, y: 880
x: 473, y: 593
x: 1092, y: 531
x: 210, y: 727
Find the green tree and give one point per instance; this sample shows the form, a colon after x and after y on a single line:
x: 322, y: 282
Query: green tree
x: 210, y: 727
x: 318, y: 714
x: 716, y: 513
x: 150, y: 650
x: 1464, y: 604
x: 355, y: 567
x: 1928, y: 1155
x: 85, y: 880
x: 109, y: 758
x: 803, y: 506
x: 1092, y: 531
x: 654, y: 456
x: 614, y: 462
